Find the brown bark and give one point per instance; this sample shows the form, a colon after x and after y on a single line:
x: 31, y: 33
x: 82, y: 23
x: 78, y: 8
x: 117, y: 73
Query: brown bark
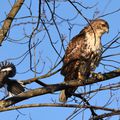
x: 8, y: 21
x: 57, y: 87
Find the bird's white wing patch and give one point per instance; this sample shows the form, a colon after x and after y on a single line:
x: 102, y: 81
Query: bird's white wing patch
x: 6, y: 69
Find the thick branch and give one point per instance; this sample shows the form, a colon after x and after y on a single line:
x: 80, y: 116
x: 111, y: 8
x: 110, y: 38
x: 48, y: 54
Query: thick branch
x: 8, y: 21
x: 57, y: 87
x: 95, y: 78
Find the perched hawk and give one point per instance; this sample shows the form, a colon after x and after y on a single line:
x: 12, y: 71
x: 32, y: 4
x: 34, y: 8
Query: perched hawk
x: 83, y: 54
x: 8, y: 70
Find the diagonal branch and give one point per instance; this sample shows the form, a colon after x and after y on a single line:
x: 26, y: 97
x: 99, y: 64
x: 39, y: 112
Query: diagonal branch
x: 57, y: 87
x: 106, y: 115
x: 95, y: 77
x: 10, y: 17
x: 87, y: 103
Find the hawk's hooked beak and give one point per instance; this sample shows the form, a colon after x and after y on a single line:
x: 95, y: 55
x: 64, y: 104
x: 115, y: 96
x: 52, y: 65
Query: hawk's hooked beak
x: 107, y: 30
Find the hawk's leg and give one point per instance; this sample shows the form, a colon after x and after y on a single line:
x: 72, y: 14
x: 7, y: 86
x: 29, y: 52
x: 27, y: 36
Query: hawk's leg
x: 95, y: 75
x: 81, y: 78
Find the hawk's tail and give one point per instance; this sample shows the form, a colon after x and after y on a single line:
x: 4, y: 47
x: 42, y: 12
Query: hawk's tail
x: 63, y: 97
x: 65, y: 94
x: 15, y: 87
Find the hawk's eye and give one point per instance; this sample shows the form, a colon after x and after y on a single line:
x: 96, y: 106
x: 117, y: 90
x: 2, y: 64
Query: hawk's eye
x: 103, y: 25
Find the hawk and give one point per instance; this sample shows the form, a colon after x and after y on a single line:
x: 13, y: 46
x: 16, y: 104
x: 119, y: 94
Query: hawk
x: 82, y: 55
x: 8, y: 70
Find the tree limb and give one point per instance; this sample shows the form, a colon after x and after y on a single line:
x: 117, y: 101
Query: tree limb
x: 58, y: 105
x: 10, y: 17
x: 57, y: 87
x: 96, y: 77
x: 106, y: 115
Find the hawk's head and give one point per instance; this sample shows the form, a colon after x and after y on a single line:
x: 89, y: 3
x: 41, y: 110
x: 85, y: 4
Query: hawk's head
x: 99, y: 26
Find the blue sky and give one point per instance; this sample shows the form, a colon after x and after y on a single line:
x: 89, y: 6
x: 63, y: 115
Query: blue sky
x: 10, y: 50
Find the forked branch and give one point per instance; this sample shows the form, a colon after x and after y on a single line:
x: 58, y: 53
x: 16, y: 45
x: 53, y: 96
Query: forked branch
x: 10, y: 17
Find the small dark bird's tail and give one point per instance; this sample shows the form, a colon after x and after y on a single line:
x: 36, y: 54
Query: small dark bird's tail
x: 15, y: 87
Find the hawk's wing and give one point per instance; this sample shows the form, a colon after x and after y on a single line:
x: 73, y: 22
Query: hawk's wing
x: 74, y: 54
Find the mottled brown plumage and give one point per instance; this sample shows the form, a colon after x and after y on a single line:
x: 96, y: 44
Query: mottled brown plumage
x: 83, y: 55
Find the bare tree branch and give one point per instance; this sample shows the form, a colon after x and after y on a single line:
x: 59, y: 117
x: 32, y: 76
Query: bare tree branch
x: 106, y: 115
x: 94, y: 79
x: 10, y: 17
x: 57, y: 87
x: 58, y: 105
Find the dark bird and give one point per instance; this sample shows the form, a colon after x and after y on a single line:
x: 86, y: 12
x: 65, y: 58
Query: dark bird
x: 7, y: 71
